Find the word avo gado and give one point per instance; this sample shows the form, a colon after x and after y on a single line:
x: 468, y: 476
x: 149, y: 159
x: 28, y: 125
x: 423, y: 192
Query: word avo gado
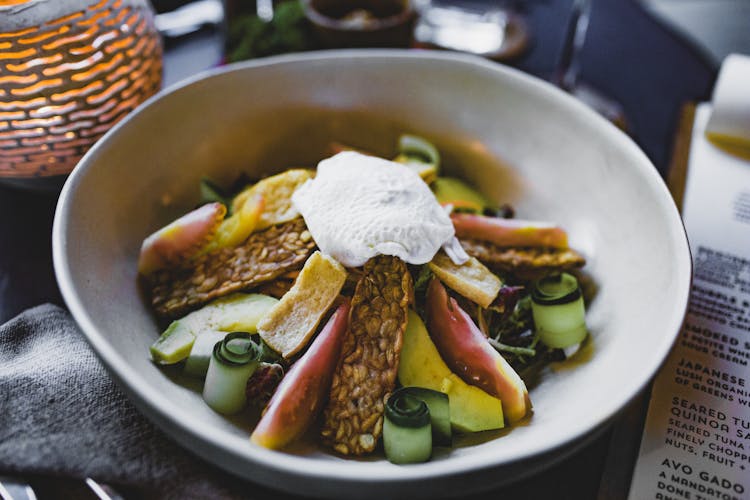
x: 682, y: 480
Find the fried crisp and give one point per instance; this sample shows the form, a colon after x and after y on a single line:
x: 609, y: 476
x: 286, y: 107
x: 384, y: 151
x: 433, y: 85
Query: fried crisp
x: 292, y: 321
x: 262, y: 257
x: 471, y: 279
x: 366, y: 371
x: 526, y: 262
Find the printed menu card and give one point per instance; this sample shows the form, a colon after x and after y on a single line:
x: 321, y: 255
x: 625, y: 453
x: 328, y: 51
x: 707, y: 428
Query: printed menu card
x: 696, y: 440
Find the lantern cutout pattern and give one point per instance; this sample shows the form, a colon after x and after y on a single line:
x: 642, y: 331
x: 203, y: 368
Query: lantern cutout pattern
x: 70, y: 70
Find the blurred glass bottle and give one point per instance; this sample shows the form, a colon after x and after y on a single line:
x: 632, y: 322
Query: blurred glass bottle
x: 490, y: 29
x: 568, y: 73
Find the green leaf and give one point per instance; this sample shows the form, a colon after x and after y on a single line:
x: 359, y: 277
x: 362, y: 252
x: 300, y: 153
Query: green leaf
x: 210, y: 192
x: 422, y: 281
x: 288, y: 31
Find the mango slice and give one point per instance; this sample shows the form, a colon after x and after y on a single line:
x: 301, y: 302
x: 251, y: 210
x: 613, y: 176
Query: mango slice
x: 509, y: 232
x: 302, y: 392
x: 467, y: 352
x: 471, y: 409
x: 235, y: 229
x: 277, y: 192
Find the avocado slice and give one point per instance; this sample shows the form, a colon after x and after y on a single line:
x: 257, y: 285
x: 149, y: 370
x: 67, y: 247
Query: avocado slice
x: 459, y: 194
x: 471, y: 409
x: 236, y: 312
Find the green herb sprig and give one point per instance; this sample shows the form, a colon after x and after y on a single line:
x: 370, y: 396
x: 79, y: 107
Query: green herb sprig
x: 288, y: 31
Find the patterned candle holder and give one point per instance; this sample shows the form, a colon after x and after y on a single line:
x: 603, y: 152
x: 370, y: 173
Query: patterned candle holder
x: 69, y: 70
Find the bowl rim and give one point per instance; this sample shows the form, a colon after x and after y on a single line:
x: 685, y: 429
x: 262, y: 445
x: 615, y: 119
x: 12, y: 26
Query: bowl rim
x: 150, y: 401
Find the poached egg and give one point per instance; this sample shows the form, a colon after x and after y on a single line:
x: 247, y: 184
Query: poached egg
x: 360, y: 206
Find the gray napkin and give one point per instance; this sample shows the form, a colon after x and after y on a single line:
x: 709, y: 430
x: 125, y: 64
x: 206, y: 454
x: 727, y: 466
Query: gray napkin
x: 61, y: 415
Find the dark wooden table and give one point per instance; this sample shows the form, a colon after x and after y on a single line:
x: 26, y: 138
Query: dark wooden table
x: 627, y: 55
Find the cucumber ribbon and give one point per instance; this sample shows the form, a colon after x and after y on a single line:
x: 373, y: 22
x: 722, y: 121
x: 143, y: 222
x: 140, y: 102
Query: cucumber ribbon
x: 418, y: 149
x: 234, y: 360
x: 415, y: 417
x: 558, y: 311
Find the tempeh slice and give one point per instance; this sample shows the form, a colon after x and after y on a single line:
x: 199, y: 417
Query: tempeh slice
x: 262, y: 257
x: 276, y: 288
x: 523, y: 262
x: 366, y: 371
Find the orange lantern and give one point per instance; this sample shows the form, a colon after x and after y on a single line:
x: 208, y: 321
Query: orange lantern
x: 69, y: 70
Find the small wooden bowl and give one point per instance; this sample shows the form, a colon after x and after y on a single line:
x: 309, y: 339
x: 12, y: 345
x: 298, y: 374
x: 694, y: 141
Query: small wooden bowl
x: 361, y: 23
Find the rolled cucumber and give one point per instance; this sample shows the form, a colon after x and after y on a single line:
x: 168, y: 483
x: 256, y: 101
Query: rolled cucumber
x: 558, y: 311
x: 440, y: 414
x: 233, y: 361
x: 419, y: 155
x: 407, y: 432
x: 418, y: 149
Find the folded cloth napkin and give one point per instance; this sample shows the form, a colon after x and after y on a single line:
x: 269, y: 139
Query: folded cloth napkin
x: 61, y: 415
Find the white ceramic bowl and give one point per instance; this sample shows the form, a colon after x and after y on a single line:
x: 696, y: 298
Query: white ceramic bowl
x: 521, y: 140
